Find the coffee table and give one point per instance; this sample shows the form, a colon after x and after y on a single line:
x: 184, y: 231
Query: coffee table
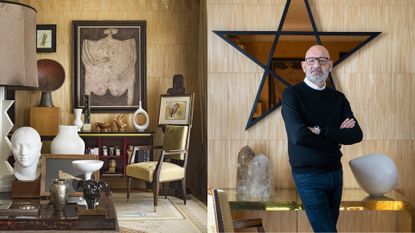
x: 36, y: 214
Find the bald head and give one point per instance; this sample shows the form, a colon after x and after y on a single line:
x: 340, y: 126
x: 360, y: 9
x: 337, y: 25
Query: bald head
x: 317, y: 51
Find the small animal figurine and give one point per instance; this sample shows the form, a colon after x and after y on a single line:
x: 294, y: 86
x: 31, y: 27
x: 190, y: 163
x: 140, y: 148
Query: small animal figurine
x: 103, y: 127
x: 121, y: 125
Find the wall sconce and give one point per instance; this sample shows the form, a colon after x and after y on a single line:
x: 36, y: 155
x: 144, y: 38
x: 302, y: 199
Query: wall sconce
x: 18, y: 69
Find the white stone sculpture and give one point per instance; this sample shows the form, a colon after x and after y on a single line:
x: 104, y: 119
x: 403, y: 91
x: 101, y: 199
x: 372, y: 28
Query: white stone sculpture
x: 26, y: 146
x: 259, y: 186
x: 141, y: 126
x: 376, y: 173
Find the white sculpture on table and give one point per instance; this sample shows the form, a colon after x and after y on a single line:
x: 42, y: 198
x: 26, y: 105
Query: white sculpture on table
x: 376, y: 173
x: 26, y: 146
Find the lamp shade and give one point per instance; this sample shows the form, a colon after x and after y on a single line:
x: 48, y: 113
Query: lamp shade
x: 18, y: 45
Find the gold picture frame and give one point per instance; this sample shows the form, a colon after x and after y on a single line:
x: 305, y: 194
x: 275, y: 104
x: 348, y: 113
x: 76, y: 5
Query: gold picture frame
x: 176, y: 109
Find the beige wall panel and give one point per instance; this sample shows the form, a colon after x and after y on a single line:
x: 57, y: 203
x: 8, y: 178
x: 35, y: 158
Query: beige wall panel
x: 242, y: 90
x: 218, y: 106
x: 381, y: 100
x: 273, y: 221
x: 231, y: 60
x: 270, y: 128
x: 365, y: 221
x: 167, y: 60
x: 279, y: 165
x: 218, y: 167
x: 255, y: 17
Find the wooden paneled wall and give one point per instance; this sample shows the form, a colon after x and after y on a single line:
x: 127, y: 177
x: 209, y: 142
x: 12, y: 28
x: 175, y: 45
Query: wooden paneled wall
x: 378, y: 80
x: 172, y: 48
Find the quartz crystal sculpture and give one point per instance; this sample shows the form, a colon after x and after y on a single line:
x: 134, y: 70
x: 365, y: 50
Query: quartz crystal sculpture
x: 258, y: 177
x: 253, y: 180
x: 245, y: 156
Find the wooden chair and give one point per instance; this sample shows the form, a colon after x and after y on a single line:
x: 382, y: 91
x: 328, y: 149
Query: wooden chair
x: 224, y: 222
x: 175, y: 146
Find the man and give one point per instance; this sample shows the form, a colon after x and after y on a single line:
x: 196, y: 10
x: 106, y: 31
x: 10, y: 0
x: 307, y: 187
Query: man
x: 26, y: 146
x: 318, y: 121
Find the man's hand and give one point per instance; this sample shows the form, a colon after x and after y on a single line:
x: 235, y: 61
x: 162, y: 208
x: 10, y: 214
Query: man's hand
x: 348, y: 123
x: 314, y: 130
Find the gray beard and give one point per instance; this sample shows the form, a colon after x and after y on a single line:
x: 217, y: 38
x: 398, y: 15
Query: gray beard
x: 319, y: 80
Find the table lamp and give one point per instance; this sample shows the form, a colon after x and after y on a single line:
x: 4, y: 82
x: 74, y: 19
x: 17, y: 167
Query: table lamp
x: 18, y: 69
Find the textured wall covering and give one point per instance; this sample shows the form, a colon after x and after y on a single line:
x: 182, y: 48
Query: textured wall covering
x: 172, y: 47
x: 378, y: 81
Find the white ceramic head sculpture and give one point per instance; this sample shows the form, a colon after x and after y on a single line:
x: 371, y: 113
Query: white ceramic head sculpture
x: 376, y: 173
x: 26, y: 146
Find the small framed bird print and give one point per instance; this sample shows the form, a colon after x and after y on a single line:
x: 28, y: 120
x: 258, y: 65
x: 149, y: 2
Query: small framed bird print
x: 46, y: 38
x: 176, y: 109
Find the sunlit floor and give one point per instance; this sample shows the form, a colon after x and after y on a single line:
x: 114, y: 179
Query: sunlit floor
x: 189, y: 218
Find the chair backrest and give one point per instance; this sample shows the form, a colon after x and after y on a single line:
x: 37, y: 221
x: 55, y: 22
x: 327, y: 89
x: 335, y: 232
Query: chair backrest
x: 224, y: 222
x: 176, y: 137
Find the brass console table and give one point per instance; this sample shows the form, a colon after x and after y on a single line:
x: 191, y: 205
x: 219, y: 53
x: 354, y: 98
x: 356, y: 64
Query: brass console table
x: 353, y: 200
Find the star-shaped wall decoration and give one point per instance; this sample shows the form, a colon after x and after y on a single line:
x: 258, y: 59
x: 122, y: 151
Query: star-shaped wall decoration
x: 280, y: 53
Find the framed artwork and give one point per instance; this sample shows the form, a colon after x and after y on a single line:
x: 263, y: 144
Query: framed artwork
x: 176, y: 109
x: 46, y: 38
x: 56, y: 166
x: 109, y: 65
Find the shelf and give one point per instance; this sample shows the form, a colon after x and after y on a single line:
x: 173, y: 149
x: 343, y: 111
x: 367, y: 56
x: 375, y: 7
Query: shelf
x: 116, y: 134
x: 112, y: 174
x: 110, y: 157
x: 119, y: 140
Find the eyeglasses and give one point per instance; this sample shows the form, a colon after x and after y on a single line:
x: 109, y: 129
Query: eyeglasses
x: 321, y: 60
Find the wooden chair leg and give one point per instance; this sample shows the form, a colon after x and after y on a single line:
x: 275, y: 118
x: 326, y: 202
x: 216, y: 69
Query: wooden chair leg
x: 184, y: 190
x: 165, y: 190
x: 156, y: 187
x: 128, y: 188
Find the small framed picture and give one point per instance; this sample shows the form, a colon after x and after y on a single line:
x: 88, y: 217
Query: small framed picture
x: 58, y: 166
x: 176, y: 109
x: 46, y: 38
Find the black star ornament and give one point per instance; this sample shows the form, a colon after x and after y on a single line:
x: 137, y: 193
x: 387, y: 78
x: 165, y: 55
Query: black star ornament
x: 280, y: 53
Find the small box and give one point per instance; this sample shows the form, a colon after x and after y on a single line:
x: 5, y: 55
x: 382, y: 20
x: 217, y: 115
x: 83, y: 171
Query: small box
x: 25, y: 189
x: 45, y: 120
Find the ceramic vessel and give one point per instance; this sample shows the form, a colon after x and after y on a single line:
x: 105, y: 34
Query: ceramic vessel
x: 58, y: 194
x: 67, y: 141
x: 376, y: 173
x: 87, y: 166
x: 139, y: 116
x: 92, y: 191
x: 78, y: 122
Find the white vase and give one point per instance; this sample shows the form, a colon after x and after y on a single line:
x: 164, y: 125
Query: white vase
x: 375, y: 173
x: 67, y: 141
x: 137, y: 126
x: 78, y: 122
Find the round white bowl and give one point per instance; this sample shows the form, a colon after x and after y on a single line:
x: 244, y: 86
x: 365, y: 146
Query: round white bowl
x: 87, y: 166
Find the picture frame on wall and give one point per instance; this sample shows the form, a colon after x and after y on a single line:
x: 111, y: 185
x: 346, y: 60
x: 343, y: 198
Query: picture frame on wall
x: 175, y: 109
x: 46, y: 38
x: 109, y: 65
x: 52, y: 164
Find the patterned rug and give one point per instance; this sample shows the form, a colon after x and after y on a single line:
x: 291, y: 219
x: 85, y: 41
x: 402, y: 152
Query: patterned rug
x: 140, y: 206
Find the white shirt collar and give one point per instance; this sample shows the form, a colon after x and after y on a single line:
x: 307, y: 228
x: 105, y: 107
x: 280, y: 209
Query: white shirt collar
x: 314, y: 86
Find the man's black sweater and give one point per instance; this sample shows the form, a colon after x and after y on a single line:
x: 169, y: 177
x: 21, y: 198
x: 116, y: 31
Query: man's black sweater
x: 303, y: 107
